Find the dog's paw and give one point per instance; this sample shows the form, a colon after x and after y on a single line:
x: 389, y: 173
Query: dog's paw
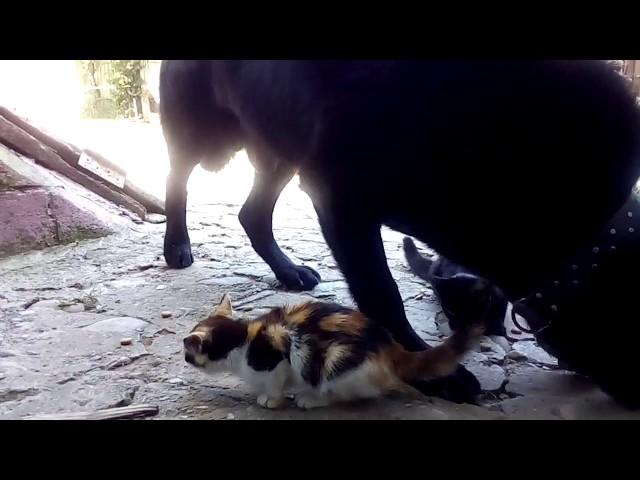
x: 307, y: 402
x: 270, y: 402
x: 460, y: 387
x: 178, y: 255
x: 298, y: 277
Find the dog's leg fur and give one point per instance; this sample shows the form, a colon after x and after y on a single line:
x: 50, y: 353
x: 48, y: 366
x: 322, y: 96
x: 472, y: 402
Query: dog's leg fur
x: 189, y: 132
x: 177, y: 245
x: 358, y: 249
x: 256, y: 219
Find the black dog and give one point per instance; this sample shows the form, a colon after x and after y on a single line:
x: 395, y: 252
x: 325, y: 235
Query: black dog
x: 540, y: 155
x: 464, y: 297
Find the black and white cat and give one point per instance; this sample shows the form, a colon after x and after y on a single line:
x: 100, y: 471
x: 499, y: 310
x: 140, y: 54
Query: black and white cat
x: 465, y: 298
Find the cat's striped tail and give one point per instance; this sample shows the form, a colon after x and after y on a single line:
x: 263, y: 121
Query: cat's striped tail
x: 436, y: 362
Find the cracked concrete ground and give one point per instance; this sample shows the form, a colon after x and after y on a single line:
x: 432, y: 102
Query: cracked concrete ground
x: 65, y: 311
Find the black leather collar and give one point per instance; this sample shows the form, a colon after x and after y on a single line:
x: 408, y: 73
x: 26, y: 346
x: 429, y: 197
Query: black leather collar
x: 559, y: 295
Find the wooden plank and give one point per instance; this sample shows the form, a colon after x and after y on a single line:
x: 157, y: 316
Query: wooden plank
x: 21, y: 141
x: 151, y: 203
x: 67, y: 152
x: 119, y: 413
x: 115, y: 177
x: 71, y: 155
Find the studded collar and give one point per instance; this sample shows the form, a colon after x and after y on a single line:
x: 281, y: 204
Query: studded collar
x: 572, y: 283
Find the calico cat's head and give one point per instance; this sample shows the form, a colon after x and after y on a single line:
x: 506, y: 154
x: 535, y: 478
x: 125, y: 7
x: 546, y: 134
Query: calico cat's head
x: 213, y: 340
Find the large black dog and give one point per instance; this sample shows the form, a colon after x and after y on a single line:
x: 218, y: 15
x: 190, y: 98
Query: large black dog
x: 510, y: 168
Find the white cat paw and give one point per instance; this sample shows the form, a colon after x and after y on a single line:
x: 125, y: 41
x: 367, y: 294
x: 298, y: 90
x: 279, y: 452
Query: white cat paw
x: 307, y: 402
x: 270, y: 402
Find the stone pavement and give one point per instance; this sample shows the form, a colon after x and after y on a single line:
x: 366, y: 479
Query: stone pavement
x: 65, y: 310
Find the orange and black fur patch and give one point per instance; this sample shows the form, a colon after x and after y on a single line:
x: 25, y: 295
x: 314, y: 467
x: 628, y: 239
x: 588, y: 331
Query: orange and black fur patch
x: 322, y: 347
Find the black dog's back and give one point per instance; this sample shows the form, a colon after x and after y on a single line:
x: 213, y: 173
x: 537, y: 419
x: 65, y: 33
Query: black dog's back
x: 465, y: 297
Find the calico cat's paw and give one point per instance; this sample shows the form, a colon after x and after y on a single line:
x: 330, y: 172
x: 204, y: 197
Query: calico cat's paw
x: 270, y: 402
x: 307, y: 402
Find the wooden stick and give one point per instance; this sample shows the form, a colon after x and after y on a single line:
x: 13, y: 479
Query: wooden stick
x: 16, y: 138
x: 120, y: 413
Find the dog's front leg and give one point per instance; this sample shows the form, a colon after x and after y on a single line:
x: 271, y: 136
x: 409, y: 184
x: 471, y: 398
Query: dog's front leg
x: 359, y: 251
x: 256, y: 218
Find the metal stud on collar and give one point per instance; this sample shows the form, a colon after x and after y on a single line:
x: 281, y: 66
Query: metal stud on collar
x: 544, y: 311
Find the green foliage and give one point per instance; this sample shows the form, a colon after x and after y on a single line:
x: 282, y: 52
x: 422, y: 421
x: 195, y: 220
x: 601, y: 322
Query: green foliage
x: 126, y: 78
x: 126, y: 81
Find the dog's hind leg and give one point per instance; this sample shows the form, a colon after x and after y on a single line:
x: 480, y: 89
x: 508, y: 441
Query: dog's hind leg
x: 185, y: 110
x: 256, y: 219
x: 177, y: 245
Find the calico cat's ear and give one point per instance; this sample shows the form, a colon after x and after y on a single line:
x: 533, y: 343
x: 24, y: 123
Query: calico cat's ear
x: 224, y: 308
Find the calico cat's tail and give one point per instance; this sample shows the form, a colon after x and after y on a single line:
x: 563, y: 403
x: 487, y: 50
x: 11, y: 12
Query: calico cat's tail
x: 418, y: 264
x: 435, y: 362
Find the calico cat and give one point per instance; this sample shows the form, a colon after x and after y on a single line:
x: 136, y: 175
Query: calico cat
x: 323, y: 353
x: 464, y: 297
